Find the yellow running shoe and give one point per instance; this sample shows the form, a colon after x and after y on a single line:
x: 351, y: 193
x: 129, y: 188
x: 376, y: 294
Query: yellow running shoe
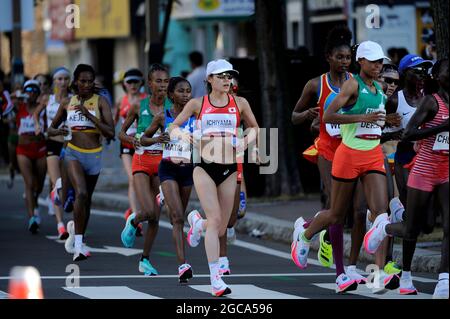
x: 392, y: 268
x: 325, y: 253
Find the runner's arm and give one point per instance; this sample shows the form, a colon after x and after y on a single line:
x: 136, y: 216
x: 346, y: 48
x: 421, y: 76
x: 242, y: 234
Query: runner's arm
x: 106, y: 123
x: 132, y: 116
x: 250, y: 122
x: 306, y: 109
x: 147, y: 139
x: 37, y: 114
x: 347, y: 97
x: 60, y: 116
x: 427, y: 110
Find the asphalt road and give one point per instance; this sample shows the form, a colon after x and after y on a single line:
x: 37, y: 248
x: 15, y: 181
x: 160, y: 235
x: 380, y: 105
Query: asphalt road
x: 260, y: 269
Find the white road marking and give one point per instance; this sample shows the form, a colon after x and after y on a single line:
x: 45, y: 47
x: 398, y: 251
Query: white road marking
x: 176, y: 276
x: 366, y: 292
x: 4, y: 295
x: 109, y: 292
x: 248, y: 292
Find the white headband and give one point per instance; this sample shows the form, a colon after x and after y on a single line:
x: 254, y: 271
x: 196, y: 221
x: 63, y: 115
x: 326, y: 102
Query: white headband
x: 132, y: 77
x: 61, y: 71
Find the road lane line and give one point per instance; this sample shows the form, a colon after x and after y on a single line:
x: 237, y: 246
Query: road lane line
x: 109, y: 292
x: 248, y: 292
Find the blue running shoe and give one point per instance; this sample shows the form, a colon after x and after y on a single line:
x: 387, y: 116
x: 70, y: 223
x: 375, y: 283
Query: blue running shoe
x: 33, y: 225
x: 128, y: 235
x: 146, y: 267
x: 68, y: 204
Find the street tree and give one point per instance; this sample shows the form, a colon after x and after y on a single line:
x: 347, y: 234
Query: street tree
x: 271, y: 46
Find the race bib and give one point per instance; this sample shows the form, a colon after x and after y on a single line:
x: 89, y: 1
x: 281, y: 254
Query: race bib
x: 26, y: 126
x: 154, y: 147
x: 77, y: 120
x: 334, y: 130
x: 177, y: 149
x: 369, y: 131
x: 441, y: 143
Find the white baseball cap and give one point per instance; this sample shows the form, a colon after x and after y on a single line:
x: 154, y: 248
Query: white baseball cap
x: 219, y: 66
x: 371, y: 51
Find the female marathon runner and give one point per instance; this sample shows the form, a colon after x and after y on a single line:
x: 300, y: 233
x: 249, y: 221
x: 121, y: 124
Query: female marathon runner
x: 88, y: 117
x: 321, y: 91
x: 132, y: 82
x: 215, y: 172
x: 358, y: 156
x: 145, y: 164
x: 175, y: 169
x: 51, y: 103
x: 31, y: 152
x: 429, y: 176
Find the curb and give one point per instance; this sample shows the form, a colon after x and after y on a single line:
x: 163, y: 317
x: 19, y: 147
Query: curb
x: 281, y: 231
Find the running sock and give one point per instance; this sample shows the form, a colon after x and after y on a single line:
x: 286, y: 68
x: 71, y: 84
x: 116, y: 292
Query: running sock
x: 144, y: 257
x: 406, y: 275
x: 78, y: 242
x: 60, y: 224
x: 337, y: 242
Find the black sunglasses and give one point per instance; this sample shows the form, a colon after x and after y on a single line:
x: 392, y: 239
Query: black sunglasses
x: 420, y: 70
x: 391, y: 81
x: 223, y: 76
x: 133, y: 81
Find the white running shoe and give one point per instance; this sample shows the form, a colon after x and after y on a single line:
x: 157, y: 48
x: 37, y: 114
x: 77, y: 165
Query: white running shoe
x: 441, y: 290
x: 353, y: 274
x: 299, y: 247
x: 85, y: 250
x: 184, y: 273
x: 79, y: 255
x: 224, y: 266
x: 376, y: 234
x: 219, y: 287
x: 344, y: 283
x: 231, y: 235
x: 195, y: 231
x: 397, y: 209
x: 69, y: 244
x: 407, y: 287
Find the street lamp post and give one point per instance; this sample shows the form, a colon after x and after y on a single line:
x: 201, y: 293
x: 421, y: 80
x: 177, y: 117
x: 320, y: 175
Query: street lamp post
x: 17, y: 63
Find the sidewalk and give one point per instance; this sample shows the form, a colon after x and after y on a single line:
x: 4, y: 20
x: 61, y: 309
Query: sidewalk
x: 270, y: 220
x: 275, y: 221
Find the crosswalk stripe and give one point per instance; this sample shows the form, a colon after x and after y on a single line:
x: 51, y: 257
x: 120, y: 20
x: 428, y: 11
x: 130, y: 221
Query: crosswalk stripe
x: 248, y: 292
x: 366, y: 292
x: 3, y: 295
x: 109, y: 292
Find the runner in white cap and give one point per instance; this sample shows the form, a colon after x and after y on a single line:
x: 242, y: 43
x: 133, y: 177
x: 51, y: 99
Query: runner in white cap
x: 215, y: 175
